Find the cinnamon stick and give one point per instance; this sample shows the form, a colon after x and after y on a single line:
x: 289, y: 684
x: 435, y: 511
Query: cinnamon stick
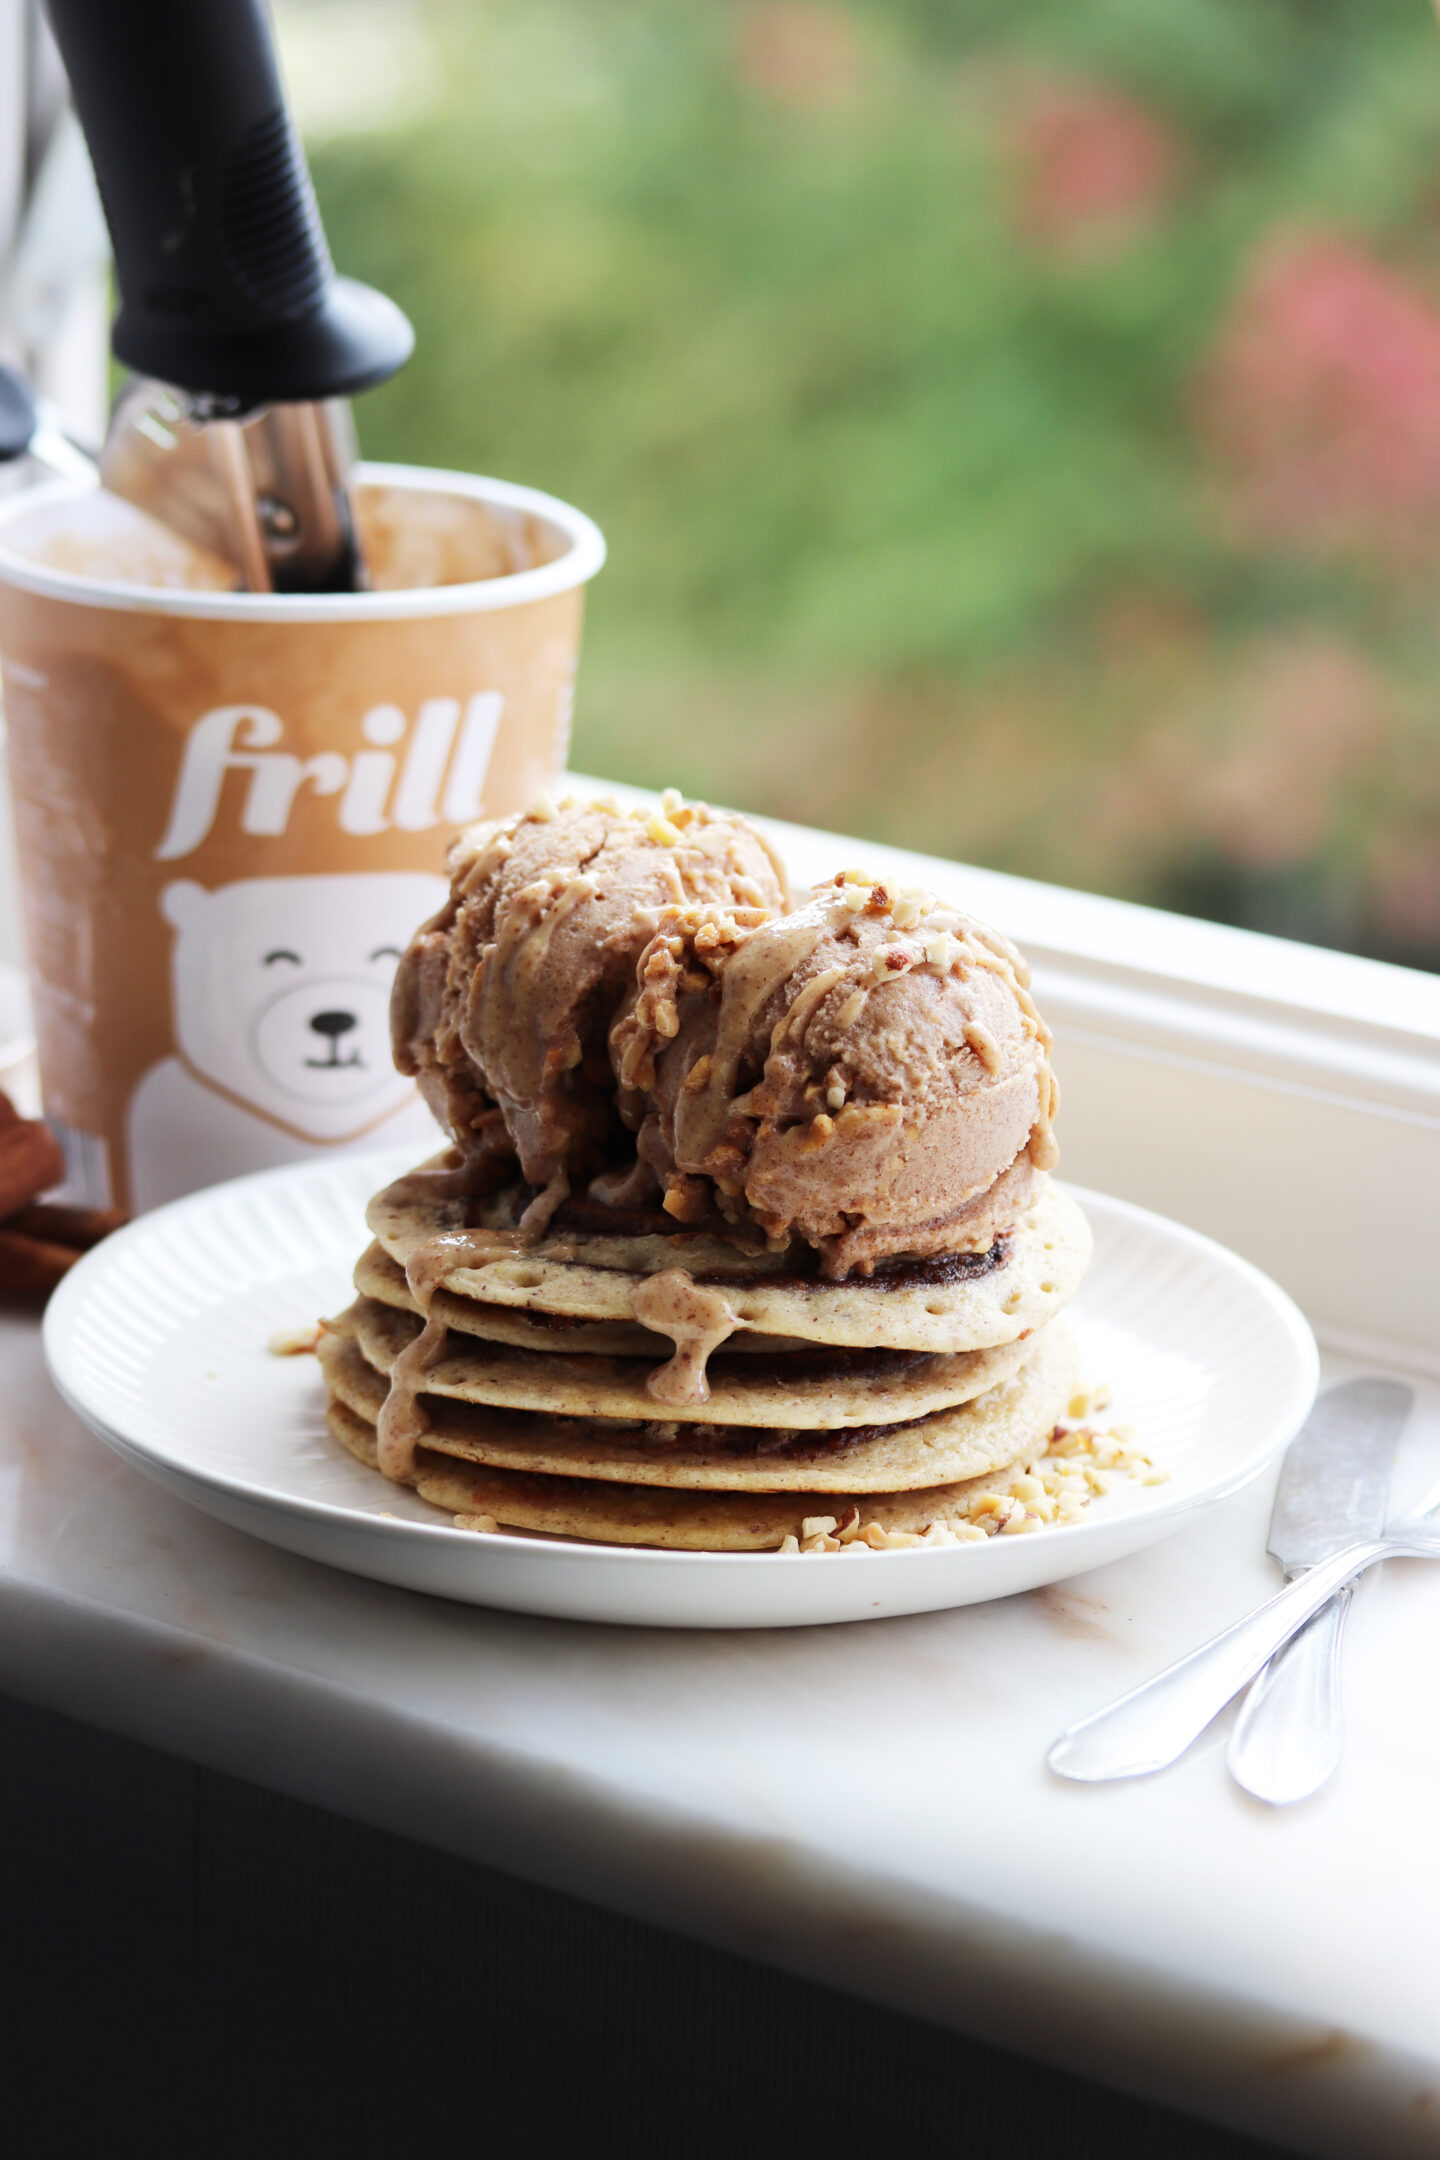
x: 31, y: 1267
x: 56, y: 1224
x: 30, y: 1159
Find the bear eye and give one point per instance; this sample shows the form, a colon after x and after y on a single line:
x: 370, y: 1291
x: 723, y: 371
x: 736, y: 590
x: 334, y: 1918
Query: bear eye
x: 387, y: 952
x: 281, y: 953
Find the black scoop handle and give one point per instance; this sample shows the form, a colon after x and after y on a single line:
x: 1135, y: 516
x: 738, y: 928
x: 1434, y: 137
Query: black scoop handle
x: 226, y: 284
x: 18, y: 415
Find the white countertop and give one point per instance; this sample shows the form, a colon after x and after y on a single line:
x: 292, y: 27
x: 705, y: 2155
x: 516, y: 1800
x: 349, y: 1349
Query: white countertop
x: 865, y: 1805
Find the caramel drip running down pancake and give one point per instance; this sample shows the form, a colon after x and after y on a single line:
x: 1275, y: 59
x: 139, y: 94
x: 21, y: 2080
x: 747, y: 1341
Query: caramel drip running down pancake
x: 735, y: 1472
x: 404, y: 1420
x: 967, y: 1440
x: 697, y: 1322
x: 825, y: 1388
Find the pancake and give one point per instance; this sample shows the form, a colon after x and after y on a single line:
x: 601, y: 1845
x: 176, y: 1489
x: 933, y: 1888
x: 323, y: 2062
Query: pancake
x: 677, y: 1520
x: 979, y: 1436
x: 951, y: 1302
x: 378, y: 1276
x: 804, y: 1388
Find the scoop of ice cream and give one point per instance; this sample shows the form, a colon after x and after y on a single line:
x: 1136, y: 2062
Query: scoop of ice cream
x: 504, y: 1001
x: 866, y: 1074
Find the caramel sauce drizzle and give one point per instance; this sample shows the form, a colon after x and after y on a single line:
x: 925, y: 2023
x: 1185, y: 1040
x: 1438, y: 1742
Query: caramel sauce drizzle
x: 404, y: 1420
x: 697, y: 1322
x: 752, y: 975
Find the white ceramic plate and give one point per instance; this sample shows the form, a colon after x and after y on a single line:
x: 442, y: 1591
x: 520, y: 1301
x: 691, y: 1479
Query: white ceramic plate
x: 158, y: 1339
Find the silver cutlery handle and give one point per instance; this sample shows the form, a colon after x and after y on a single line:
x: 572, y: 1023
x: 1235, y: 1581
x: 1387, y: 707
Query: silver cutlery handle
x: 1287, y: 1738
x: 1148, y: 1728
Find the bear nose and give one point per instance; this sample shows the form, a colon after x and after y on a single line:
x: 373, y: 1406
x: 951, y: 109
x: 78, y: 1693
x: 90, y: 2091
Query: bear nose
x: 334, y: 1024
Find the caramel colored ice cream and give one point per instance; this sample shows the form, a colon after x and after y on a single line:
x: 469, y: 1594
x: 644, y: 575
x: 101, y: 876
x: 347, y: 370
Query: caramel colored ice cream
x: 869, y: 1074
x: 503, y: 1002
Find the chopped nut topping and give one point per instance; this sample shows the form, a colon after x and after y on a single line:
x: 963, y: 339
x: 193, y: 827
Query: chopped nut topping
x: 983, y: 1043
x: 686, y: 1199
x: 661, y: 831
x: 911, y: 905
x: 295, y: 1341
x: 891, y: 960
x: 1054, y: 1485
x: 543, y: 808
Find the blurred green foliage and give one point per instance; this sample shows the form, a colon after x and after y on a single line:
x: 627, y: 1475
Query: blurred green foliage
x: 902, y: 350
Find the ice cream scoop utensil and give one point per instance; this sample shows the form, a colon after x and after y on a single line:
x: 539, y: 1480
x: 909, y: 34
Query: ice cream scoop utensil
x: 227, y: 292
x: 1153, y: 1725
x: 1333, y: 1486
x: 267, y: 491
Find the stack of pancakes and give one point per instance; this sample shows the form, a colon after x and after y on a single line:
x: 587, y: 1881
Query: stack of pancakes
x: 892, y: 1409
x: 746, y: 1240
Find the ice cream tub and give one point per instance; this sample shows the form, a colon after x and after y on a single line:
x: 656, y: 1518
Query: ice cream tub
x: 232, y: 809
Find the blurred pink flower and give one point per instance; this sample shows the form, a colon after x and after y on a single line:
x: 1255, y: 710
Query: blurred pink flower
x: 798, y: 53
x: 1322, y: 397
x: 1093, y: 164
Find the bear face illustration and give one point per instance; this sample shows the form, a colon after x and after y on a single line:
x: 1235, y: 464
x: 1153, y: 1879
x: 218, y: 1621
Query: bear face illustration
x: 281, y: 991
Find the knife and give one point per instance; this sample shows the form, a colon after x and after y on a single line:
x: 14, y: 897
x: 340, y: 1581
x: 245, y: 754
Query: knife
x: 1154, y: 1724
x: 1333, y: 1487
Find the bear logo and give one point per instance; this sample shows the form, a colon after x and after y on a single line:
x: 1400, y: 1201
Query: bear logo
x: 280, y: 991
